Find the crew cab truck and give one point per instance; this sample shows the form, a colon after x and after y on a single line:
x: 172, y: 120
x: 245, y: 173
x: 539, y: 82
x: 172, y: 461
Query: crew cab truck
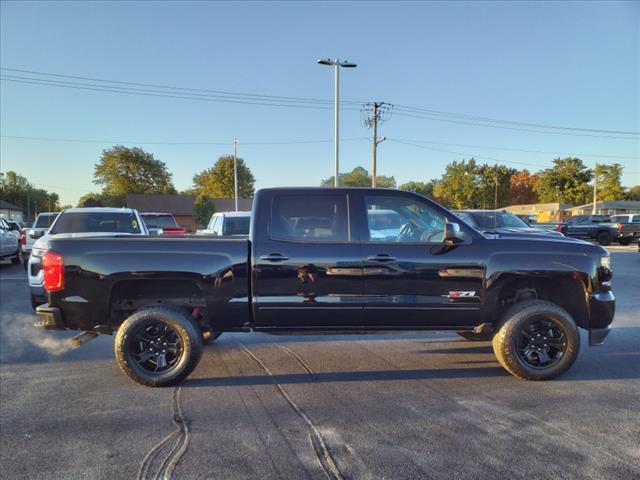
x: 313, y: 265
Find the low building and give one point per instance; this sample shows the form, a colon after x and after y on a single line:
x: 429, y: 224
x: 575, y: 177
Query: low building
x: 11, y: 212
x: 181, y: 206
x: 543, y: 212
x: 611, y: 207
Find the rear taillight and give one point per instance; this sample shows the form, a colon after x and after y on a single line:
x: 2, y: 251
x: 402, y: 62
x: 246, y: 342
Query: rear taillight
x: 619, y: 228
x: 53, y: 271
x: 559, y: 227
x: 23, y: 236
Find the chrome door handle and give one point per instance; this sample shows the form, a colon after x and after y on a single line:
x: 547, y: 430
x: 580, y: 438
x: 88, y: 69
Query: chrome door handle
x: 381, y: 257
x: 274, y: 257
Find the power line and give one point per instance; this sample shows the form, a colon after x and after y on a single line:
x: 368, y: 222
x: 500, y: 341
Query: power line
x: 151, y: 93
x: 78, y: 140
x: 425, y: 117
x: 601, y: 155
x: 166, y: 91
x: 510, y: 122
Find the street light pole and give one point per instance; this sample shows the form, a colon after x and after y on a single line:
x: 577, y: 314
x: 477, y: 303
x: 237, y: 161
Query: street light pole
x: 336, y: 106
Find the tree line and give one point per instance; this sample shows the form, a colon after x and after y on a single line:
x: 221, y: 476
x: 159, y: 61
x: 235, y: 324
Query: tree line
x: 469, y: 184
x: 464, y: 183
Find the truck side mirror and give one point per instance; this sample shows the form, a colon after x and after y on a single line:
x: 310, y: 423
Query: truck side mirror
x: 452, y: 234
x: 36, y: 233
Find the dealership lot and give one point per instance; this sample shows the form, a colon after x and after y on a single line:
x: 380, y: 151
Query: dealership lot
x: 365, y: 406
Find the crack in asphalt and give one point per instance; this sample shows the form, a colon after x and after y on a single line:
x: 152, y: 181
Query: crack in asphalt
x: 178, y: 449
x: 324, y: 457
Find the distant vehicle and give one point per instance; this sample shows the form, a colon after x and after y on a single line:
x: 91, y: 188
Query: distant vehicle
x: 164, y: 221
x: 592, y: 227
x: 630, y: 228
x: 30, y: 235
x: 228, y: 224
x: 9, y: 243
x: 501, y: 223
x: 80, y: 222
x: 14, y: 227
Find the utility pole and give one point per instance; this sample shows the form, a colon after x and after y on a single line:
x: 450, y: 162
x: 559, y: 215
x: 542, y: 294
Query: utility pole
x: 235, y: 172
x: 336, y: 112
x: 595, y: 189
x: 379, y: 113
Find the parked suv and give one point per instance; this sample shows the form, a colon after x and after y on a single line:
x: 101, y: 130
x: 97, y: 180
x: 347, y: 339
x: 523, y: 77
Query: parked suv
x: 80, y: 222
x: 228, y: 224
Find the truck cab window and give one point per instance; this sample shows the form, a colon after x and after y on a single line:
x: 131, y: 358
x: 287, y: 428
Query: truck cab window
x: 316, y: 218
x: 395, y: 219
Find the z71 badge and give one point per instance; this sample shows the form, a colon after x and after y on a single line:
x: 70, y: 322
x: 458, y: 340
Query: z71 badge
x: 457, y: 294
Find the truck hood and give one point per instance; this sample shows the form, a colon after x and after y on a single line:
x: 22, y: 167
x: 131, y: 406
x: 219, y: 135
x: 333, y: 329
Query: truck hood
x: 513, y: 232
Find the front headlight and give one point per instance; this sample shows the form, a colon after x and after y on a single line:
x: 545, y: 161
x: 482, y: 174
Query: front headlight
x: 605, y: 262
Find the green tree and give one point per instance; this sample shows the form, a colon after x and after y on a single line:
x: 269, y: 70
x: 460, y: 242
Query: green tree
x: 459, y: 186
x: 16, y: 189
x: 359, y: 177
x: 217, y: 181
x: 633, y: 193
x: 609, y: 186
x: 493, y: 185
x: 93, y: 199
x: 566, y: 182
x: 423, y: 188
x: 203, y: 208
x: 123, y: 170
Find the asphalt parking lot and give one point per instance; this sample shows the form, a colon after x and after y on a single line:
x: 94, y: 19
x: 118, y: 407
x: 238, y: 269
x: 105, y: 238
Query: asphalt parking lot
x: 360, y: 406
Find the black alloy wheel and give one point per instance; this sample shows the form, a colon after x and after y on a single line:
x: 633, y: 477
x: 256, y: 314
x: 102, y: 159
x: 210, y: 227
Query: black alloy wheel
x: 157, y: 347
x: 541, y: 343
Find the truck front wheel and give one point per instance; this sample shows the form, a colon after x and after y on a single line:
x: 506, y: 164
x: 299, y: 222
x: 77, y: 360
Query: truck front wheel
x: 158, y: 346
x: 604, y: 238
x: 537, y: 340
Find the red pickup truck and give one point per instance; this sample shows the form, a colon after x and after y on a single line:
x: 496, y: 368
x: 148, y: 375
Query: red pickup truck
x: 164, y: 222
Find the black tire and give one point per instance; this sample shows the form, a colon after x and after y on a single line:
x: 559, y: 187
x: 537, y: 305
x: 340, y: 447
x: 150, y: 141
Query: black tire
x: 604, y: 239
x: 16, y: 258
x: 476, y: 337
x: 169, y: 324
x: 516, y: 326
x: 624, y: 241
x: 209, y: 339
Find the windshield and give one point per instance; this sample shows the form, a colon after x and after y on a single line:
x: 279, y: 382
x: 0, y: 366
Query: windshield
x: 159, y: 221
x: 45, y: 220
x: 491, y: 220
x: 99, y: 222
x: 236, y: 226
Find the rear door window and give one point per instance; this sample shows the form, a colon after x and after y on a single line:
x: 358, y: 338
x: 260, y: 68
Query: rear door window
x: 310, y: 218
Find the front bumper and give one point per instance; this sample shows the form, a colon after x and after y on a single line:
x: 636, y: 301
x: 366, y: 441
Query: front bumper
x: 50, y: 318
x: 602, y: 307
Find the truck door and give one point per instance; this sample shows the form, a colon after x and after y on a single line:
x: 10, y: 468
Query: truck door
x: 578, y: 226
x: 409, y: 280
x: 307, y: 263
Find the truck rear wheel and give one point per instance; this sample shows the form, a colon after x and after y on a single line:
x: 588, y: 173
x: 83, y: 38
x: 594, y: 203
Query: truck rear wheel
x: 604, y: 238
x: 158, y: 346
x: 476, y: 337
x: 536, y: 340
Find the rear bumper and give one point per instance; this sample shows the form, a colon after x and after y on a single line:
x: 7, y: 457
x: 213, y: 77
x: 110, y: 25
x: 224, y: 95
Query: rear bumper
x: 602, y: 307
x: 50, y: 318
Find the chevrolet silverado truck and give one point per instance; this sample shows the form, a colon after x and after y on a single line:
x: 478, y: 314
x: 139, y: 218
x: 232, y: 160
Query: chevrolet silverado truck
x: 591, y: 227
x: 315, y: 264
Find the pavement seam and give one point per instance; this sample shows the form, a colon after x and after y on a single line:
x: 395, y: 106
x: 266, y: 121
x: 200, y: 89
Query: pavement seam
x: 326, y: 461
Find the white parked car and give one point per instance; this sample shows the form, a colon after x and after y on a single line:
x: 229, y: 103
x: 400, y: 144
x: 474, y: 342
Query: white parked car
x: 80, y: 222
x: 228, y: 224
x: 42, y: 223
x: 9, y: 243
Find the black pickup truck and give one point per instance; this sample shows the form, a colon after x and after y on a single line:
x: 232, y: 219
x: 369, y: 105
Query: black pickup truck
x: 592, y: 227
x: 320, y: 261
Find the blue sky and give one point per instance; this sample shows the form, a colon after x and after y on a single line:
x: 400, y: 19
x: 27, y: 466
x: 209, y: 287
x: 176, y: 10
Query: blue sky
x: 568, y: 64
